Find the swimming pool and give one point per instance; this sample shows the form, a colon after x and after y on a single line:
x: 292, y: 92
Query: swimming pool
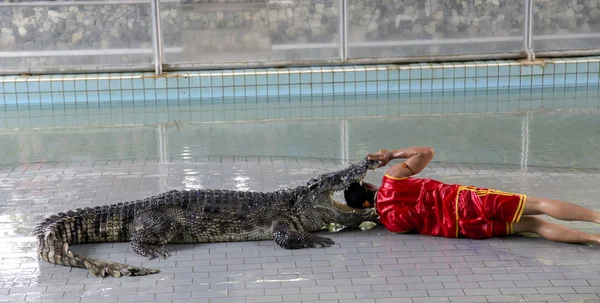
x: 61, y: 156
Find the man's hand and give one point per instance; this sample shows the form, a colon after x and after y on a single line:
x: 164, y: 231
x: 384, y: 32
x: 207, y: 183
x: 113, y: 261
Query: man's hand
x: 417, y: 159
x: 383, y: 155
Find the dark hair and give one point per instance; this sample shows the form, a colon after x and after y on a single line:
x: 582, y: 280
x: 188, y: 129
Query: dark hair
x: 357, y: 196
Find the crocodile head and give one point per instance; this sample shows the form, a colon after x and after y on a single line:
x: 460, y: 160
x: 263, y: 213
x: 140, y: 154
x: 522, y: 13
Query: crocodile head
x: 326, y: 194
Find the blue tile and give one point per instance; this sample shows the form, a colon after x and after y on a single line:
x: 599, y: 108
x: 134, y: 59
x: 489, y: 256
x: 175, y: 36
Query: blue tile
x: 515, y: 70
x: 438, y: 84
x: 328, y: 88
x: 360, y: 76
x: 449, y: 84
x: 126, y: 84
x: 526, y: 81
x: 183, y: 82
x: 526, y: 70
x: 426, y: 85
x: 58, y: 86
x: 206, y: 92
x: 172, y: 93
x: 393, y: 74
x: 415, y: 72
x: 470, y: 83
x: 205, y: 81
x: 250, y: 79
x: 371, y: 75
x: 148, y: 84
x: 514, y: 81
x: 537, y: 81
x: 20, y: 87
x: 459, y: 71
x: 22, y: 98
x: 32, y: 86
x: 171, y: 83
x: 349, y: 76
x: 81, y: 96
x: 548, y: 80
x: 294, y: 76
x: 161, y: 93
x: 394, y: 86
x: 91, y: 96
x: 217, y: 92
x: 317, y: 88
x: 272, y: 79
x: 316, y: 77
x: 10, y: 99
x: 382, y: 86
x: 426, y: 72
x: 593, y: 67
x: 216, y: 80
x: 349, y: 87
x: 46, y: 86
x: 126, y: 95
x: 415, y: 85
x: 305, y: 77
x: 295, y: 89
x: 327, y: 76
x: 36, y: 98
x: 448, y: 72
x: 470, y: 72
x: 195, y: 93
x: 404, y: 85
x: 582, y: 67
x: 9, y: 87
x: 228, y: 80
x: 238, y: 80
x: 482, y: 71
x: 492, y: 71
x: 593, y: 78
x: 537, y: 70
x: 582, y: 79
x: 361, y: 87
x: 503, y: 82
x: 570, y: 79
x: 338, y: 88
x: 560, y: 68
x: 492, y: 82
x: 371, y: 86
x: 138, y: 84
x: 306, y: 89
x: 437, y: 72
x: 404, y: 74
x: 559, y: 79
x: 571, y: 68
x: 382, y: 75
x: 503, y: 70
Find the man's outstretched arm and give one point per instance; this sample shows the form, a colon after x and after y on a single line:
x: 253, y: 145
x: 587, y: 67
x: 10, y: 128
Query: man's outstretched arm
x: 417, y: 159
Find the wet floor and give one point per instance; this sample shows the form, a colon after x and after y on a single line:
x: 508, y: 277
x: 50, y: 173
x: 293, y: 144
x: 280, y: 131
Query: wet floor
x: 544, y: 152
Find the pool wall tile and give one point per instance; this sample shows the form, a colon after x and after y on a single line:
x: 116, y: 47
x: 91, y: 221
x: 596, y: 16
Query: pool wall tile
x: 206, y: 86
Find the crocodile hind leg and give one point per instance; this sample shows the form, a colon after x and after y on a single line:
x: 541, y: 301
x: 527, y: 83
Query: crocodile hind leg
x: 152, y: 231
x: 286, y: 236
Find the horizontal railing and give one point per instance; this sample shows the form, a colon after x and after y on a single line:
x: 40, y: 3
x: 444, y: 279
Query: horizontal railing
x: 345, y: 47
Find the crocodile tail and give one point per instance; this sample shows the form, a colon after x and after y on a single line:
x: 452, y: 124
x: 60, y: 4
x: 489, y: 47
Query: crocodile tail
x: 87, y: 225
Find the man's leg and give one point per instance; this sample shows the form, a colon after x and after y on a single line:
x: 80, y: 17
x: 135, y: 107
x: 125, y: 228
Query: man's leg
x: 560, y: 210
x: 553, y: 232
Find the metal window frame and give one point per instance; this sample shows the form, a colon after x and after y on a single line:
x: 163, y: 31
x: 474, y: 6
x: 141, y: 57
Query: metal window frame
x: 159, y: 66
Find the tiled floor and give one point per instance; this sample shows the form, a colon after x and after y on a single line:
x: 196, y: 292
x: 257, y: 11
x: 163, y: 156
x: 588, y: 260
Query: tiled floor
x: 553, y: 155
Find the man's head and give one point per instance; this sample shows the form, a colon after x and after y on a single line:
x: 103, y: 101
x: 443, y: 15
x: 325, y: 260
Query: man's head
x: 360, y: 195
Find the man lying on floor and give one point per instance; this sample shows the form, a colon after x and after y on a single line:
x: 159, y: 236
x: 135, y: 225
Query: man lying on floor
x: 430, y: 207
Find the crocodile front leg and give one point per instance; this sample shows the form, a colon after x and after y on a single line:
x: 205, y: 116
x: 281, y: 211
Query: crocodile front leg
x: 286, y: 236
x: 152, y: 231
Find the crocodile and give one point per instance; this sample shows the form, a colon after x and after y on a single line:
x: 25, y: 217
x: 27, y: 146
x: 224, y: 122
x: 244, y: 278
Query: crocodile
x: 287, y: 216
